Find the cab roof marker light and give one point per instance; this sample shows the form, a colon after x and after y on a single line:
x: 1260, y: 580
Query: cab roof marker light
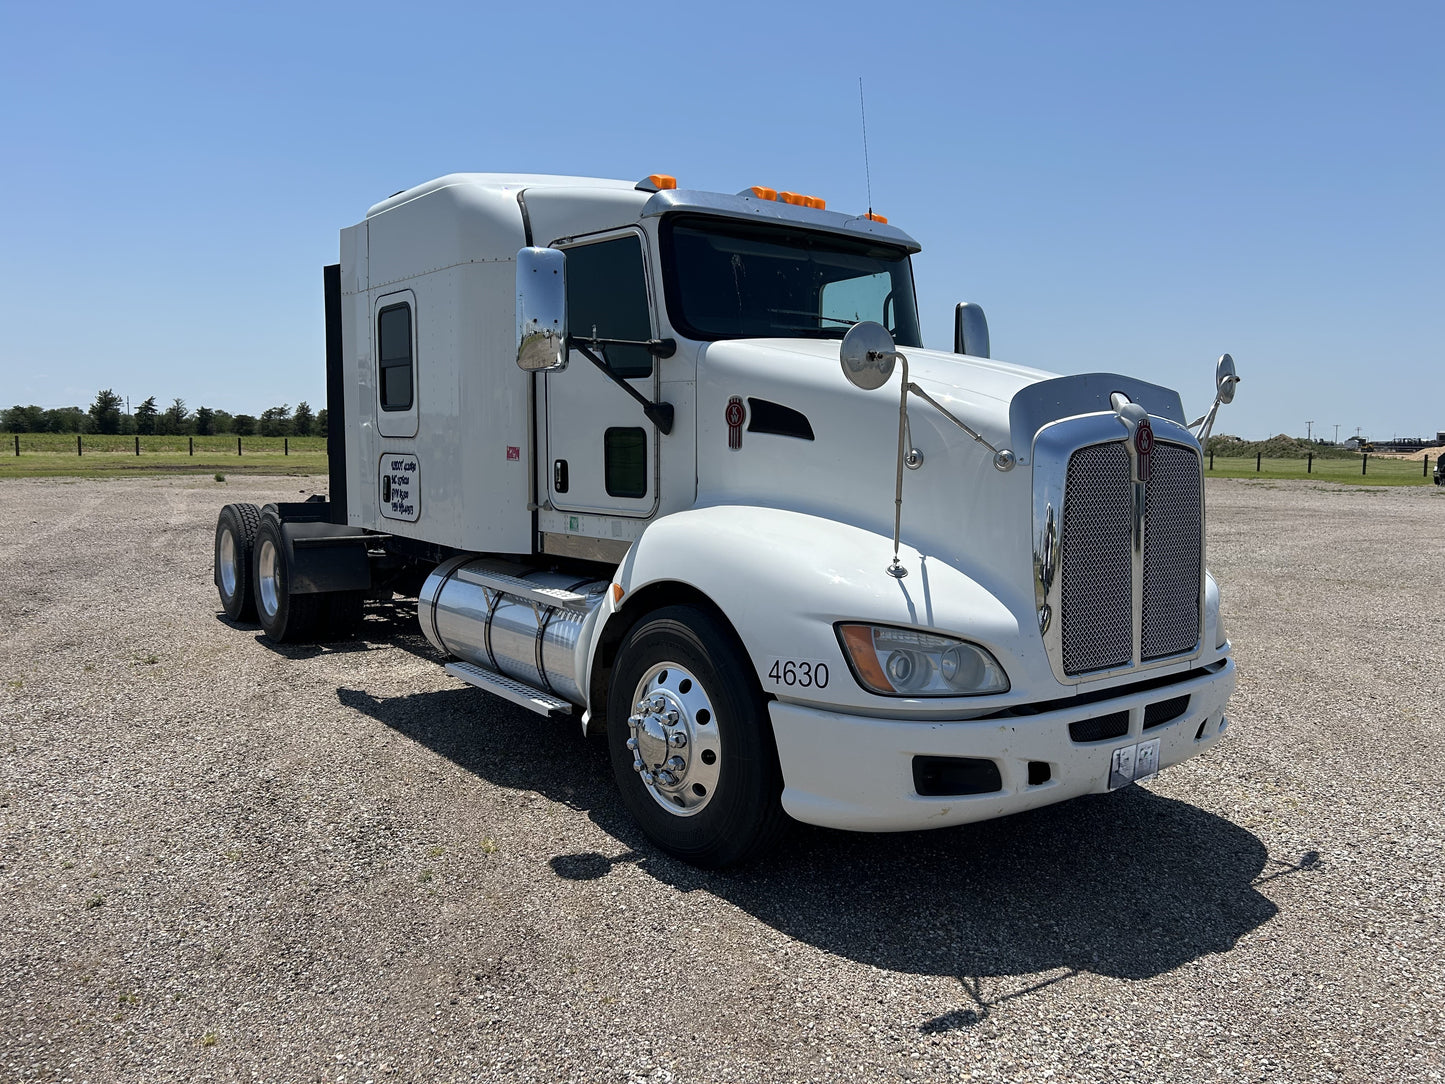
x: 815, y: 203
x: 760, y: 192
x: 876, y: 218
x: 656, y: 182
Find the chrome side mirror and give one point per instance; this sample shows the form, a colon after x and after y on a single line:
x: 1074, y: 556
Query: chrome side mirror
x: 541, y: 310
x: 1225, y: 379
x: 868, y: 354
x: 970, y: 330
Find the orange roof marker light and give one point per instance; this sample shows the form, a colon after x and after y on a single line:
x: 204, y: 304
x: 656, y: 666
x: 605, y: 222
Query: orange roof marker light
x: 656, y: 182
x: 761, y: 193
x: 876, y: 218
x: 797, y: 199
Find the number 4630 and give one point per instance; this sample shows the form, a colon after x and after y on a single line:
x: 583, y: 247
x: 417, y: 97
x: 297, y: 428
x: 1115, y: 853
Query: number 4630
x: 798, y: 673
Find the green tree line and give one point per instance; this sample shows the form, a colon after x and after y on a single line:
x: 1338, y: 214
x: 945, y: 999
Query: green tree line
x: 107, y: 415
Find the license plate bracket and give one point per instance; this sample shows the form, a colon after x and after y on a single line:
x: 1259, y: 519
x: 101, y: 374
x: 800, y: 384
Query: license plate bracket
x: 1133, y: 763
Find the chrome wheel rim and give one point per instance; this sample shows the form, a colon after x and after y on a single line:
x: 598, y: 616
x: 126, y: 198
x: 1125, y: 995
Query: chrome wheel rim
x: 674, y: 740
x: 228, y: 564
x: 266, y: 577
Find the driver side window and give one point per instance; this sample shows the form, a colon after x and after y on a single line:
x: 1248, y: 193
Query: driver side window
x: 607, y: 289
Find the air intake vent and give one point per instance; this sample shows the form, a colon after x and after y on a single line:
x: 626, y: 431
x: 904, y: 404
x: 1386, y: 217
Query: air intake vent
x: 938, y: 777
x: 1166, y: 711
x: 1095, y: 561
x: 1100, y: 728
x: 1173, y: 537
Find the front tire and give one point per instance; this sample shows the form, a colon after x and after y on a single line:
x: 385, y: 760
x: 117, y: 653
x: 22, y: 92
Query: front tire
x: 235, y: 540
x: 690, y: 740
x: 284, y: 617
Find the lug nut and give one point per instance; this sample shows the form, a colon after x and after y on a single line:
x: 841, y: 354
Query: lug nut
x: 670, y: 718
x: 667, y: 779
x: 649, y: 777
x: 677, y: 739
x: 676, y: 764
x: 657, y: 703
x: 637, y: 765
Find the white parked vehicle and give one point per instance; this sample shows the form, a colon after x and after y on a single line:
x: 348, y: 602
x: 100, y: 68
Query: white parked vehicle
x: 677, y: 462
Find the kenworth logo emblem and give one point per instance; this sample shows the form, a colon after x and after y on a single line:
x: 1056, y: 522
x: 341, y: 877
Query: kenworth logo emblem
x: 1144, y: 447
x: 735, y: 415
x: 1135, y: 420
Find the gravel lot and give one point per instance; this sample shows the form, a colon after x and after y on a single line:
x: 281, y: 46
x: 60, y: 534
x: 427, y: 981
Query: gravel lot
x: 220, y: 860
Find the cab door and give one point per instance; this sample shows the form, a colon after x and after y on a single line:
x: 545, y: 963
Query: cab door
x: 601, y: 451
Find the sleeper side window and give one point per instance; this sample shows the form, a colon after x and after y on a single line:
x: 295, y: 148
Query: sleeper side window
x: 394, y: 356
x: 607, y: 289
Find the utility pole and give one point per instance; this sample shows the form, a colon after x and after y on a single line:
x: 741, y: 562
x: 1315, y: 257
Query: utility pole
x: 1337, y: 432
x: 1309, y: 431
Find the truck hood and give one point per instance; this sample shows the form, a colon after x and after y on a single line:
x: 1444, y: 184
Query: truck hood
x: 809, y: 441
x: 977, y: 390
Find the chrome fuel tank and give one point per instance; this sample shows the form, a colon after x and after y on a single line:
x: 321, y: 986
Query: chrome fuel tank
x: 524, y: 623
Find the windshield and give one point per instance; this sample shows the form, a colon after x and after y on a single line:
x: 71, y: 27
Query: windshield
x: 730, y: 280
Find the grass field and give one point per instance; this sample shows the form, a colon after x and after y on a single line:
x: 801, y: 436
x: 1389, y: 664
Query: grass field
x: 1380, y: 471
x: 54, y: 455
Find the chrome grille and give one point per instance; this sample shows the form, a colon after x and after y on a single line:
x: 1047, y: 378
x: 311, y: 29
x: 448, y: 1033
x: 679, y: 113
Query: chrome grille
x: 1097, y: 629
x: 1095, y: 567
x: 1173, y: 536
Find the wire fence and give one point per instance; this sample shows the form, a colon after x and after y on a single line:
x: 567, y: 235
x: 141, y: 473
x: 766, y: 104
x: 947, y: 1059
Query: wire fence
x: 1363, y: 468
x: 83, y: 444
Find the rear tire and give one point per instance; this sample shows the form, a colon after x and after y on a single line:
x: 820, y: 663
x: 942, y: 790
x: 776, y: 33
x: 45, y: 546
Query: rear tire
x: 235, y: 539
x: 691, y: 742
x: 284, y: 617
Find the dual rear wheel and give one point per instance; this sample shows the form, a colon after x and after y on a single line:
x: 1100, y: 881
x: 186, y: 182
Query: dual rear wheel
x: 253, y: 578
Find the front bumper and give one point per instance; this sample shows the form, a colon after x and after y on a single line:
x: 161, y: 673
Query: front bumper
x: 856, y: 772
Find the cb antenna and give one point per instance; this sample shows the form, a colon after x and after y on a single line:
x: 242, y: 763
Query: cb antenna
x: 867, y: 174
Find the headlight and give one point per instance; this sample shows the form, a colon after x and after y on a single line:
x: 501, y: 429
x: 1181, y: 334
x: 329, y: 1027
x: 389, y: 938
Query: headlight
x: 903, y: 662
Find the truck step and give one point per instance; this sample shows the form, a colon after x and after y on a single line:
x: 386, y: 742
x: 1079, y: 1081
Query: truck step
x: 528, y: 592
x: 509, y: 689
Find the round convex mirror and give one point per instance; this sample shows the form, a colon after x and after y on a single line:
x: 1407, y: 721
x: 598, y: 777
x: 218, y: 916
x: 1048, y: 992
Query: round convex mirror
x: 867, y: 355
x: 1225, y: 378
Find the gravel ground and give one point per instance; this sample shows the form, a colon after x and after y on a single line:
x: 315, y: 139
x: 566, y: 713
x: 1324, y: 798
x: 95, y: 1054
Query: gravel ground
x: 220, y: 860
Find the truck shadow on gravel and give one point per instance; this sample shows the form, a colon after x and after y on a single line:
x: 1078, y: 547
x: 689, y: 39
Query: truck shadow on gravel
x: 1127, y: 885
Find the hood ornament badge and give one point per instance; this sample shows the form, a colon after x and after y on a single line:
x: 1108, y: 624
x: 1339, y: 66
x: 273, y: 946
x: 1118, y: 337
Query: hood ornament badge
x: 1135, y: 420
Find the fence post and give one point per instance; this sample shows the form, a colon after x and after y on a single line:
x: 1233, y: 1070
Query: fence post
x: 238, y: 445
x: 1310, y: 463
x: 192, y: 442
x: 1211, y: 460
x: 1426, y: 472
x: 1257, y: 457
x: 285, y: 445
x: 137, y: 445
x: 17, y: 444
x: 1364, y: 463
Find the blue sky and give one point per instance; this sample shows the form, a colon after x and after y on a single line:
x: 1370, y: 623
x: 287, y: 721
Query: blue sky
x: 1128, y: 187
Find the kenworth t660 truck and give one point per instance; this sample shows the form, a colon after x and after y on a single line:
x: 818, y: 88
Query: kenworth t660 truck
x: 677, y: 463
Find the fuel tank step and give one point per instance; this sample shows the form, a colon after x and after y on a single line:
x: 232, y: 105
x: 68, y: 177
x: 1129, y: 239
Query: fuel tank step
x: 518, y: 693
x: 523, y: 589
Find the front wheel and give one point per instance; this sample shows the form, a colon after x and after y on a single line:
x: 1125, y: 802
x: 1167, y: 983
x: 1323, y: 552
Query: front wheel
x: 691, y: 742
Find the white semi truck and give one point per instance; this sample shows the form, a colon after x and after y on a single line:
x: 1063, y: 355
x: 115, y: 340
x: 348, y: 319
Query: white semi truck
x: 676, y: 463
